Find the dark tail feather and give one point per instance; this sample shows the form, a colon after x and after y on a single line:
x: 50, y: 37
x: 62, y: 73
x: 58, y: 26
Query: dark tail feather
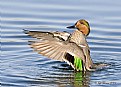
x: 70, y: 58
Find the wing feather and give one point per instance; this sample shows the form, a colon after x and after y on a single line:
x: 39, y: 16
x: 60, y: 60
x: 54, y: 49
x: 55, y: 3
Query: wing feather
x: 54, y: 47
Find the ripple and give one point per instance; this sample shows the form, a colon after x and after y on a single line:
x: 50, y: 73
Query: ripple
x: 21, y: 66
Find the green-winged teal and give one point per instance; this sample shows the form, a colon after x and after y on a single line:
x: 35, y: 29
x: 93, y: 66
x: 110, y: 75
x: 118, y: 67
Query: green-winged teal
x: 63, y: 46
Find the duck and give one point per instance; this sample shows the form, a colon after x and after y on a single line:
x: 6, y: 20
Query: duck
x: 71, y: 48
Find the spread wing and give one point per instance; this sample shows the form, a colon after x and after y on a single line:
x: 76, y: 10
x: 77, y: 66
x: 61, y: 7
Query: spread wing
x: 54, y: 47
x: 48, y: 35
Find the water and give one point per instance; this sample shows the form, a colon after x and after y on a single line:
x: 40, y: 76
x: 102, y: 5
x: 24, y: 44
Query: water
x: 20, y: 66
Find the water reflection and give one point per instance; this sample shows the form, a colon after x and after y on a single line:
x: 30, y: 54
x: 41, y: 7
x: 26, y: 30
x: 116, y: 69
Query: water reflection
x: 73, y: 79
x: 81, y: 79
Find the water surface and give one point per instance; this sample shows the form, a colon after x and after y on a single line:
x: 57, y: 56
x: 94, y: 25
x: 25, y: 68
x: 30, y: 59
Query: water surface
x: 20, y: 66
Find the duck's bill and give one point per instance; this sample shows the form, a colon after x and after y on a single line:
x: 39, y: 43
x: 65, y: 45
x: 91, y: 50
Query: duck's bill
x: 71, y: 26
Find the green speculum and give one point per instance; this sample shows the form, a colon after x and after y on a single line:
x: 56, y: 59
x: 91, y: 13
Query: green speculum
x: 78, y: 64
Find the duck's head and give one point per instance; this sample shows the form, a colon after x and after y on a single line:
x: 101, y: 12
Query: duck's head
x: 83, y: 26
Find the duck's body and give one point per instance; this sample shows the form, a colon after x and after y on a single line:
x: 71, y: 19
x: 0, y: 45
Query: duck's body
x: 63, y: 46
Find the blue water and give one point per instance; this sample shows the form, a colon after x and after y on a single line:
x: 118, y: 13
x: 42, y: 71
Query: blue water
x: 20, y: 66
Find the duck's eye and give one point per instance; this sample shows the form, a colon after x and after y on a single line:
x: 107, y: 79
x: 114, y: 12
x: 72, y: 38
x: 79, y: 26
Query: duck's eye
x: 81, y: 23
